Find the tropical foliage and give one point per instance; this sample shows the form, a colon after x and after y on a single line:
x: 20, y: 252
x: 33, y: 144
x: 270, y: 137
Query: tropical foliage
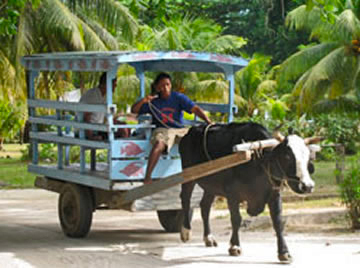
x: 328, y: 70
x: 322, y: 75
x: 350, y: 191
x: 61, y: 25
x: 11, y: 121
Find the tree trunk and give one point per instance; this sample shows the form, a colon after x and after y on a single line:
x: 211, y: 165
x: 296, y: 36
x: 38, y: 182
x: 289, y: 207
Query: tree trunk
x: 340, y: 162
x: 355, y: 216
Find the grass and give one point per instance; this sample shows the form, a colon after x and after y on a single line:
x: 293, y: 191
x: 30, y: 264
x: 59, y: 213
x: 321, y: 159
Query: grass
x: 13, y: 174
x: 324, y: 177
x: 13, y: 171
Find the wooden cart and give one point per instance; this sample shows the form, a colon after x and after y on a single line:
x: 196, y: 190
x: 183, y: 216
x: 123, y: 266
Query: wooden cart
x: 117, y: 183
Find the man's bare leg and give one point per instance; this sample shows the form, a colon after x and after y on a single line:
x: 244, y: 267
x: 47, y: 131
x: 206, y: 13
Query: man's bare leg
x: 158, y: 148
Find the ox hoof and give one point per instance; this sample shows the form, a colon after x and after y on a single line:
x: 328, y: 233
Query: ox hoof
x: 185, y: 234
x: 285, y: 258
x: 235, y: 251
x: 210, y: 241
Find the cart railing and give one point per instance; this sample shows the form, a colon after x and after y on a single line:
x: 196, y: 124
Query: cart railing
x: 126, y: 157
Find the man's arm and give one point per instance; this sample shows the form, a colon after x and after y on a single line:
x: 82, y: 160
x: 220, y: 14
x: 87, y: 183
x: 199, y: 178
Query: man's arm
x: 200, y: 113
x: 137, y: 105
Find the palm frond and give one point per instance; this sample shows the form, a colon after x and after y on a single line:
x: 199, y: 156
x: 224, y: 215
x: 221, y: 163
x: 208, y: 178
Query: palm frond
x: 107, y: 38
x: 333, y: 75
x: 295, y: 66
x: 249, y: 78
x: 214, y: 90
x: 267, y: 87
x: 302, y: 19
x: 59, y: 22
x: 346, y: 27
x: 91, y: 39
x: 112, y: 13
x: 167, y: 39
x: 341, y: 104
x: 225, y: 43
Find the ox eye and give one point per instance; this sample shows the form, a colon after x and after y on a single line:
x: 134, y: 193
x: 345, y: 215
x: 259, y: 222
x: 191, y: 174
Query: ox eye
x: 311, y: 168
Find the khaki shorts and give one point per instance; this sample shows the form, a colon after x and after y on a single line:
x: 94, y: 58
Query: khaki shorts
x: 169, y: 136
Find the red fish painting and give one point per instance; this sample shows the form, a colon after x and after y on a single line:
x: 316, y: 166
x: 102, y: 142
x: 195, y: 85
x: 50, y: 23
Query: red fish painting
x: 131, y: 149
x: 134, y: 169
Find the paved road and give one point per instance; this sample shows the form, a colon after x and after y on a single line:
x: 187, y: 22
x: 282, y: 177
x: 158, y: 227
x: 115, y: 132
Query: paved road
x: 30, y: 236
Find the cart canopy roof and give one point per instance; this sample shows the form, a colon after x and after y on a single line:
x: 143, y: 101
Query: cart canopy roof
x: 180, y: 61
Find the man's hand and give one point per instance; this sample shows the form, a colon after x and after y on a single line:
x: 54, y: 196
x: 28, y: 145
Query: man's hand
x: 137, y: 106
x: 149, y: 98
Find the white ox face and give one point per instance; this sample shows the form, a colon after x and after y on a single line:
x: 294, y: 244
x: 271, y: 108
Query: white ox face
x: 297, y: 169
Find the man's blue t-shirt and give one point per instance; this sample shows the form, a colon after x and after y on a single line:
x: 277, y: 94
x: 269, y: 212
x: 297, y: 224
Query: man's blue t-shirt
x: 169, y: 111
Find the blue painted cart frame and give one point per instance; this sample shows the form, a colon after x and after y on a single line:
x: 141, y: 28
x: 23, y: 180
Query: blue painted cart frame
x: 127, y: 157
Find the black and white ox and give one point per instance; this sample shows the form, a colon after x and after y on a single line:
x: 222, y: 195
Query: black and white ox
x: 257, y: 182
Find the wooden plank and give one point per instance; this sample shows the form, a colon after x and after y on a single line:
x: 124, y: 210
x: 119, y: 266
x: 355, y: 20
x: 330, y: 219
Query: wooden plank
x: 67, y: 123
x: 46, y: 136
x: 72, y: 106
x: 213, y: 107
x: 188, y: 174
x: 88, y: 179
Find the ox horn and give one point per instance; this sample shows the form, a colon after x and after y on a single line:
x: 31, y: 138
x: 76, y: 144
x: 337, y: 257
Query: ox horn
x: 277, y: 135
x: 313, y: 140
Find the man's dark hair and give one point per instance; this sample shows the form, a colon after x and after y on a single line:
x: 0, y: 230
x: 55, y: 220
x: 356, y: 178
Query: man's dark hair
x: 102, y: 80
x: 161, y: 76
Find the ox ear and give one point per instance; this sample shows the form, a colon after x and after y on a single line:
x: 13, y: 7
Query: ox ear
x: 313, y: 140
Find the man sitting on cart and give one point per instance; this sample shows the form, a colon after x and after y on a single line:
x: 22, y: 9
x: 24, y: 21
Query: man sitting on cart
x: 166, y: 108
x: 97, y: 95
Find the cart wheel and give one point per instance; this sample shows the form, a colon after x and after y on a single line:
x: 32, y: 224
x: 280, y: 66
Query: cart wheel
x: 75, y: 210
x: 172, y: 220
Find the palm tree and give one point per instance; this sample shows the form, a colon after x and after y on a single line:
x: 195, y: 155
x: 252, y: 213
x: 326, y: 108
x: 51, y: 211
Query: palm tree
x: 252, y: 84
x: 329, y: 69
x: 65, y: 25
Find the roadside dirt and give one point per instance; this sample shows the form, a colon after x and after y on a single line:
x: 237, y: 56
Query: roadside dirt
x: 30, y: 236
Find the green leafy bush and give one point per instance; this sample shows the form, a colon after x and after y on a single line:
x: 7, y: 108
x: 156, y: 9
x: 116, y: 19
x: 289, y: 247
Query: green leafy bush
x: 339, y: 128
x: 11, y: 120
x: 350, y: 191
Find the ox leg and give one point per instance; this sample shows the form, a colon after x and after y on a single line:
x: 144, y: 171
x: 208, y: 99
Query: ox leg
x: 205, y: 206
x: 185, y: 195
x: 275, y: 206
x: 235, y: 249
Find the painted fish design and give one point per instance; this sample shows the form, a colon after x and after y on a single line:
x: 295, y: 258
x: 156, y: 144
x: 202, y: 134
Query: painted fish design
x: 131, y: 149
x: 134, y: 169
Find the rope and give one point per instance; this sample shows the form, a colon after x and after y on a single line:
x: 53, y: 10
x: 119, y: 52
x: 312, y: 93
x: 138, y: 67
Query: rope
x: 282, y: 180
x: 205, y: 139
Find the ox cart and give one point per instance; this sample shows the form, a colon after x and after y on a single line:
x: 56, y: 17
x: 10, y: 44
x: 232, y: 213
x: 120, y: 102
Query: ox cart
x: 117, y: 183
